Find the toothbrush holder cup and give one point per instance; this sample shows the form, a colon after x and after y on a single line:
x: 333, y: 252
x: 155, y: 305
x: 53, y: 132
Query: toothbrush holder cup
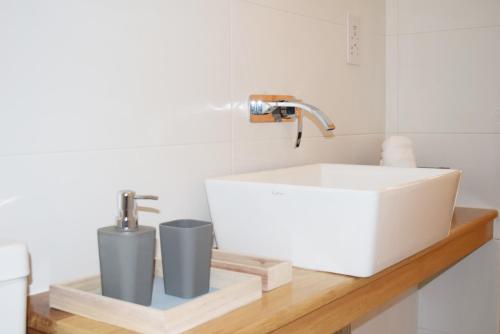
x: 186, y: 254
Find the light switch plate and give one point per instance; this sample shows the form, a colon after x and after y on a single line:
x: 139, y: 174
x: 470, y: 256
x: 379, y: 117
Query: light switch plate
x: 353, y: 39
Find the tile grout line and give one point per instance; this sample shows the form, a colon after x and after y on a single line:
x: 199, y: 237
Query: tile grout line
x: 232, y: 142
x: 435, y: 331
x: 397, y: 67
x: 447, y: 30
x: 308, y: 138
x: 293, y: 13
x: 155, y: 147
x: 113, y: 149
x: 380, y: 34
x: 231, y: 92
x: 451, y: 133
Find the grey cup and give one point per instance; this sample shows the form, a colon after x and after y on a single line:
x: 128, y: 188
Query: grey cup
x: 186, y: 251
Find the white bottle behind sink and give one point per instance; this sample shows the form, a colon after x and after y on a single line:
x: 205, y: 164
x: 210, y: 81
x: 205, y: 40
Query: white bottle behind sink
x: 14, y: 271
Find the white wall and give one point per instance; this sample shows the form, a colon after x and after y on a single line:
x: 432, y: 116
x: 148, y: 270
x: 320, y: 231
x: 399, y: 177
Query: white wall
x: 443, y: 91
x: 398, y: 316
x: 97, y: 96
x: 463, y: 299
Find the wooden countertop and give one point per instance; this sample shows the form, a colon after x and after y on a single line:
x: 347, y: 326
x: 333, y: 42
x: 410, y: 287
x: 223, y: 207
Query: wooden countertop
x: 314, y: 302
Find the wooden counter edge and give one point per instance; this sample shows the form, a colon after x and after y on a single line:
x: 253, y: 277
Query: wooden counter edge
x: 394, y: 281
x: 465, y: 222
x: 331, y: 311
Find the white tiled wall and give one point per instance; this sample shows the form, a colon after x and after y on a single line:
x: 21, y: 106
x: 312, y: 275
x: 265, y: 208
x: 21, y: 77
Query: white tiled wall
x: 462, y: 299
x: 97, y: 96
x: 397, y: 317
x: 443, y: 91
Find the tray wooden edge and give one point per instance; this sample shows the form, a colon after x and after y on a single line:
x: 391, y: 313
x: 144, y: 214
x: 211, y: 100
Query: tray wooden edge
x: 238, y: 290
x: 240, y: 280
x: 274, y: 273
x: 67, y: 297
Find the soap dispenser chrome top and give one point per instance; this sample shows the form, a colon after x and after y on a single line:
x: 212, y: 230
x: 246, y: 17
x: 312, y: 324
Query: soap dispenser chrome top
x: 127, y: 219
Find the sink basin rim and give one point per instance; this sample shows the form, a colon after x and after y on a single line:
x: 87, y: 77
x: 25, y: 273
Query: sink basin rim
x: 253, y: 177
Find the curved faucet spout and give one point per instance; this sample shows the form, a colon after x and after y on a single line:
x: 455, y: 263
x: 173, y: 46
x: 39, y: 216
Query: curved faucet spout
x: 312, y: 110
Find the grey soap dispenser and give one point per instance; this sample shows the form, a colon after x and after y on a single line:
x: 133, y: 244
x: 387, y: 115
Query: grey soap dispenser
x: 126, y: 253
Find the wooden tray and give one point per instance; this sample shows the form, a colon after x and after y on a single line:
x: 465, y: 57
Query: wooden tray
x: 274, y: 273
x: 83, y: 297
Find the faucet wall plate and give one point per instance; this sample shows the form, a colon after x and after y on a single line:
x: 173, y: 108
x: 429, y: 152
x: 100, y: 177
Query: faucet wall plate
x: 269, y: 118
x: 279, y: 108
x: 281, y: 114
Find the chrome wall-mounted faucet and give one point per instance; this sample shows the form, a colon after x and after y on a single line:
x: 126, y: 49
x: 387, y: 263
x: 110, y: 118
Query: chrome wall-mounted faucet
x: 285, y: 108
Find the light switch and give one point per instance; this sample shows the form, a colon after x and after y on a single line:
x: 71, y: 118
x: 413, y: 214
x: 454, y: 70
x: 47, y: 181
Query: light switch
x: 353, y: 39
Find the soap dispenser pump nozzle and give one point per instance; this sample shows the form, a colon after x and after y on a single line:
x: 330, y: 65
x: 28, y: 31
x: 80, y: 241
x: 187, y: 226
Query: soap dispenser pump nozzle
x: 127, y: 219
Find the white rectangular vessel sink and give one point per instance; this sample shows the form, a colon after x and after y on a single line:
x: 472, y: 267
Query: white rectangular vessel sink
x: 348, y: 219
